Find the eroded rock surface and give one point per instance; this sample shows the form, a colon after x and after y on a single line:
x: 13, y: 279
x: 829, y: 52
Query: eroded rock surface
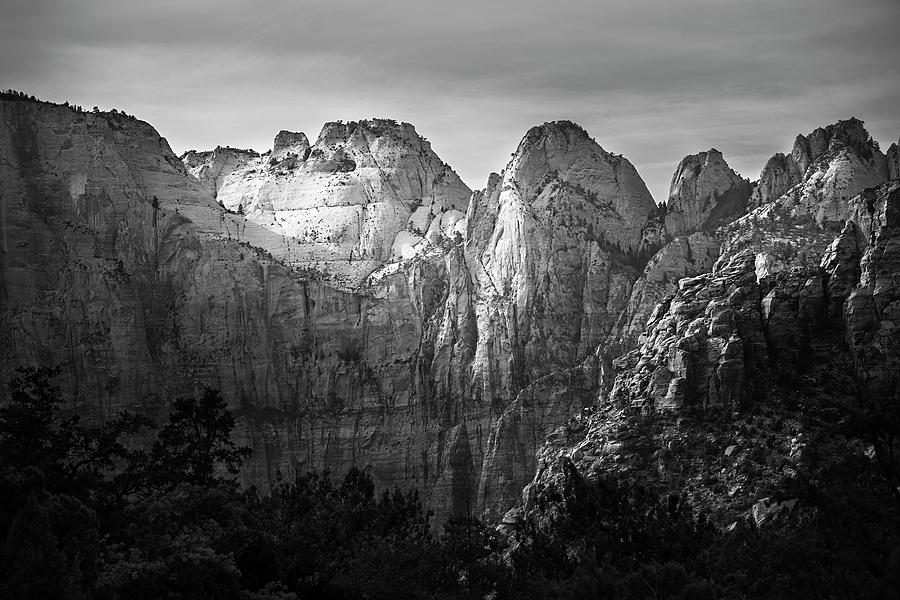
x: 705, y: 192
x: 124, y: 268
x: 365, y: 194
x: 356, y: 305
x: 213, y: 166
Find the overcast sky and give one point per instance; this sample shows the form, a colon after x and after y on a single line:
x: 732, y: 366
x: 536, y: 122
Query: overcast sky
x: 653, y: 80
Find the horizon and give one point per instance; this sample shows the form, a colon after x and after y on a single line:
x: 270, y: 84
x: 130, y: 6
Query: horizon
x: 653, y: 83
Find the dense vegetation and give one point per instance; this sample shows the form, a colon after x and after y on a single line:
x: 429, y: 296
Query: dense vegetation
x: 94, y: 512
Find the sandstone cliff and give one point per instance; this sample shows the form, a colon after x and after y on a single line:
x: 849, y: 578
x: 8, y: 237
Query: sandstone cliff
x: 213, y: 166
x: 120, y: 267
x: 127, y: 270
x: 357, y: 305
x: 553, y: 247
x: 740, y: 382
x: 705, y: 192
x: 365, y: 194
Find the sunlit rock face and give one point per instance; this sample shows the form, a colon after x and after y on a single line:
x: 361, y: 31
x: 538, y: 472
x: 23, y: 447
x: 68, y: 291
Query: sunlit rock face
x: 553, y: 247
x: 779, y: 175
x: 213, y: 166
x: 366, y: 193
x: 705, y: 192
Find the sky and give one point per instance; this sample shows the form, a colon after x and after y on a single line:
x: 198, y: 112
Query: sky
x: 653, y: 80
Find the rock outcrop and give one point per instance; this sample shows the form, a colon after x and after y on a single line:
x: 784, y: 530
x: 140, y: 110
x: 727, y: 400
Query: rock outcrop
x: 893, y: 161
x: 705, y: 192
x: 720, y: 338
x: 213, y: 166
x: 779, y: 175
x: 290, y: 141
x: 365, y: 194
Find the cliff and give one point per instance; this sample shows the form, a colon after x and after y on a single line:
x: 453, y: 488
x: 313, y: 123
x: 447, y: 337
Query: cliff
x: 145, y: 282
x: 734, y: 385
x: 356, y: 304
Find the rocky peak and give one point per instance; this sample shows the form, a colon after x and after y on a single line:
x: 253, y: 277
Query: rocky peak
x: 211, y: 167
x: 289, y: 140
x: 561, y: 154
x: 365, y: 194
x: 704, y: 192
x: 850, y: 133
x: 824, y: 170
x: 893, y: 162
x: 337, y: 132
x: 780, y: 174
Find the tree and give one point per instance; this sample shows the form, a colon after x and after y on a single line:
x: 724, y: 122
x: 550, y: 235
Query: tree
x: 194, y: 442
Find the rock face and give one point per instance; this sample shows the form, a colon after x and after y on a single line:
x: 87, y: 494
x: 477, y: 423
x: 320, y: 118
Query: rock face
x: 705, y: 192
x: 893, y: 162
x: 821, y: 329
x: 366, y: 193
x: 779, y: 175
x: 553, y: 246
x: 122, y: 267
x: 290, y: 141
x: 357, y: 305
x: 213, y: 166
x: 871, y: 309
x: 684, y: 257
x: 721, y: 338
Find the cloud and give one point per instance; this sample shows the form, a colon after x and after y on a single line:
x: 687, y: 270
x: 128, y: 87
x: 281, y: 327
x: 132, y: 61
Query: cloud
x: 654, y: 80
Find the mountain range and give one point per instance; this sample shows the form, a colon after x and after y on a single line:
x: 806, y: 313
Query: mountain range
x: 358, y: 305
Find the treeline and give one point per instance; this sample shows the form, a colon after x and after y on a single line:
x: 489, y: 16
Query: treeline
x: 84, y: 514
x: 11, y: 94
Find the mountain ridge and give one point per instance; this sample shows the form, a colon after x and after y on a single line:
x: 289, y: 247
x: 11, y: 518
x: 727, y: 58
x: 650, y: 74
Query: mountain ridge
x: 438, y: 342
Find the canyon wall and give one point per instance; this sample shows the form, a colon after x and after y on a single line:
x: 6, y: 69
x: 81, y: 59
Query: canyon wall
x: 357, y: 304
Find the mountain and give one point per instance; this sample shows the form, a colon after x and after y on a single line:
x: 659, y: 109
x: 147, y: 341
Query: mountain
x: 144, y: 282
x: 358, y: 305
x: 705, y: 192
x: 213, y: 166
x: 748, y: 377
x: 364, y: 194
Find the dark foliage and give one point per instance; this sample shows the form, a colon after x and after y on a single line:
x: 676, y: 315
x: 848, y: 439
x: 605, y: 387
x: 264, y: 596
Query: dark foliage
x: 83, y: 515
